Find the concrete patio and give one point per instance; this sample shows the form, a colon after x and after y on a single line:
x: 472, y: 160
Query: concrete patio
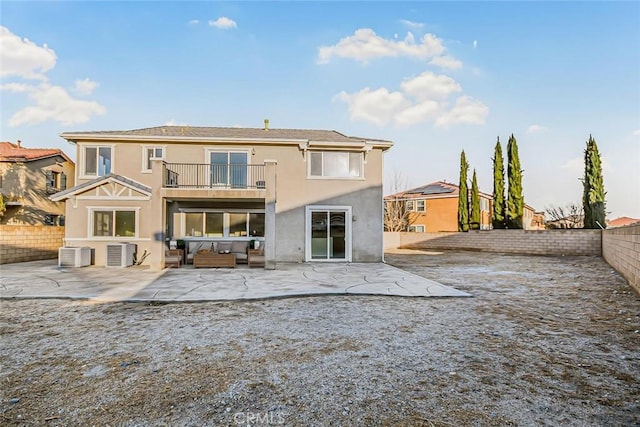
x: 44, y: 279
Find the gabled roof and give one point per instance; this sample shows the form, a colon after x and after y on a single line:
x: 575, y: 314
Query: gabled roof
x: 193, y: 133
x: 112, y: 177
x: 438, y: 187
x: 432, y: 190
x: 10, y: 152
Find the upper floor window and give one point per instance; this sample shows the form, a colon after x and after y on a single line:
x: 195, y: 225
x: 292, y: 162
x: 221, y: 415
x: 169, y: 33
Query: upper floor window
x: 150, y: 153
x: 56, y: 181
x: 484, y: 205
x: 335, y: 164
x: 420, y: 206
x: 410, y: 205
x: 97, y: 160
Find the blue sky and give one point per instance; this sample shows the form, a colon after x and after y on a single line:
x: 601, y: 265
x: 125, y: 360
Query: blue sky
x: 434, y: 77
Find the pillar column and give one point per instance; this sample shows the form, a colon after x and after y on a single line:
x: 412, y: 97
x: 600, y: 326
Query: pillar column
x: 270, y: 215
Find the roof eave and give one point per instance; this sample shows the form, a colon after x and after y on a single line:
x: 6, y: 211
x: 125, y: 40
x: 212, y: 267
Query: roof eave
x: 87, y: 137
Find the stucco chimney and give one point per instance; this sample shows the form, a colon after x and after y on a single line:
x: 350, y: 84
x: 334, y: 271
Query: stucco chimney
x: 266, y: 124
x: 19, y: 144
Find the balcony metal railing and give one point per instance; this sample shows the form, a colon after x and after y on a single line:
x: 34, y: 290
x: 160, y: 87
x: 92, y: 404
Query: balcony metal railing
x: 234, y: 176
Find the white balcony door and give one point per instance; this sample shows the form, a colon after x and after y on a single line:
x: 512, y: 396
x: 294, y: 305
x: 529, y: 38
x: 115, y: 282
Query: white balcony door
x: 328, y: 233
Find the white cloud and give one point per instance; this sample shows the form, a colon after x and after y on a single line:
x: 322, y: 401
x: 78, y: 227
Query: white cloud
x: 536, y: 128
x: 465, y: 111
x: 424, y: 98
x: 223, y: 23
x: 85, y: 86
x: 447, y: 62
x: 412, y: 25
x: 429, y: 85
x: 636, y: 132
x: 420, y: 112
x: 53, y: 103
x: 378, y: 106
x: 16, y: 87
x: 475, y: 44
x: 193, y: 22
x: 576, y: 165
x: 365, y: 45
x: 172, y: 122
x: 23, y: 58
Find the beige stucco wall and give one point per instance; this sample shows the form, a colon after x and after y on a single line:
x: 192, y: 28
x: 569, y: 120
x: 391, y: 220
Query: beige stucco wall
x: 79, y: 220
x: 294, y: 191
x: 25, y: 182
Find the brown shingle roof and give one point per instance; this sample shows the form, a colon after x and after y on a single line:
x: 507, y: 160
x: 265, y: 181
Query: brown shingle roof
x: 230, y: 132
x: 10, y: 152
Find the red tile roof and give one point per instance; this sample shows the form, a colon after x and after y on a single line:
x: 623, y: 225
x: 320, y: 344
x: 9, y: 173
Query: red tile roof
x: 622, y: 221
x: 13, y: 152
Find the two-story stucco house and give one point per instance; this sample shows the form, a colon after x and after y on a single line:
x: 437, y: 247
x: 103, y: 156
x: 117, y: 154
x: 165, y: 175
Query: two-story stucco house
x: 305, y: 195
x: 28, y: 176
x: 434, y: 207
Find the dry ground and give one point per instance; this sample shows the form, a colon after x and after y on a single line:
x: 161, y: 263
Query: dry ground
x: 544, y: 341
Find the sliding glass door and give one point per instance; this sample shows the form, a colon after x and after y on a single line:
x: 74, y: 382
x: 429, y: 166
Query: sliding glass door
x: 228, y: 169
x: 328, y: 234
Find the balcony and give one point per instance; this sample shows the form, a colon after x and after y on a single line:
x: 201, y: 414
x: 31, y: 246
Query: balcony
x: 213, y: 176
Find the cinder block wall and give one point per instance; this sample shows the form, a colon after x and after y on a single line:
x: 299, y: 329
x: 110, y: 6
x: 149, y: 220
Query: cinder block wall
x: 536, y: 242
x: 621, y: 249
x: 19, y: 243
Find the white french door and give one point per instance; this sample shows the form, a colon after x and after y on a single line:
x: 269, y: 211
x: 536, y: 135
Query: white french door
x: 328, y: 233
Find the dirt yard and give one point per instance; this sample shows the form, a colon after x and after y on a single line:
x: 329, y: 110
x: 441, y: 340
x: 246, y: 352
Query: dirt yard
x: 544, y: 341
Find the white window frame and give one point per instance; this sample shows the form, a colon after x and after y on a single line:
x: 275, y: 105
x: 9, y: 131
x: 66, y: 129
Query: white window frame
x: 92, y: 209
x: 228, y: 151
x: 83, y: 159
x: 348, y: 232
x: 424, y: 205
x: 415, y: 228
x: 411, y: 205
x: 309, y: 155
x: 146, y: 148
x: 226, y: 222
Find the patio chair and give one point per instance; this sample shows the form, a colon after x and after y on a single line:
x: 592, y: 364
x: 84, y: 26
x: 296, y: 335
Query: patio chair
x: 173, y: 258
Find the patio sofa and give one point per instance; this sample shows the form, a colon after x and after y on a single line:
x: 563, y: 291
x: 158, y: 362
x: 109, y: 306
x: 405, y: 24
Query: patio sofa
x: 237, y: 247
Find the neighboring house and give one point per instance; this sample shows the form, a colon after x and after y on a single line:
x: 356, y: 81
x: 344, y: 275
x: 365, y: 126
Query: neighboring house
x: 28, y: 176
x: 622, y: 222
x: 569, y: 221
x: 434, y: 207
x: 532, y: 220
x: 307, y: 195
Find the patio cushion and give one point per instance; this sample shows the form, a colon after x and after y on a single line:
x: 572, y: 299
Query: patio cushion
x: 239, y: 247
x: 224, y: 246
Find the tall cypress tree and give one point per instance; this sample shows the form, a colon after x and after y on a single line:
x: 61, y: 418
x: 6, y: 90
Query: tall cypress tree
x: 498, y: 219
x: 463, y: 195
x: 593, y: 196
x: 475, y: 203
x: 515, y: 199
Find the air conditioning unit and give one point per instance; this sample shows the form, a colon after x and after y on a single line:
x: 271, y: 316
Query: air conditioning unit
x: 120, y: 254
x: 74, y: 257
